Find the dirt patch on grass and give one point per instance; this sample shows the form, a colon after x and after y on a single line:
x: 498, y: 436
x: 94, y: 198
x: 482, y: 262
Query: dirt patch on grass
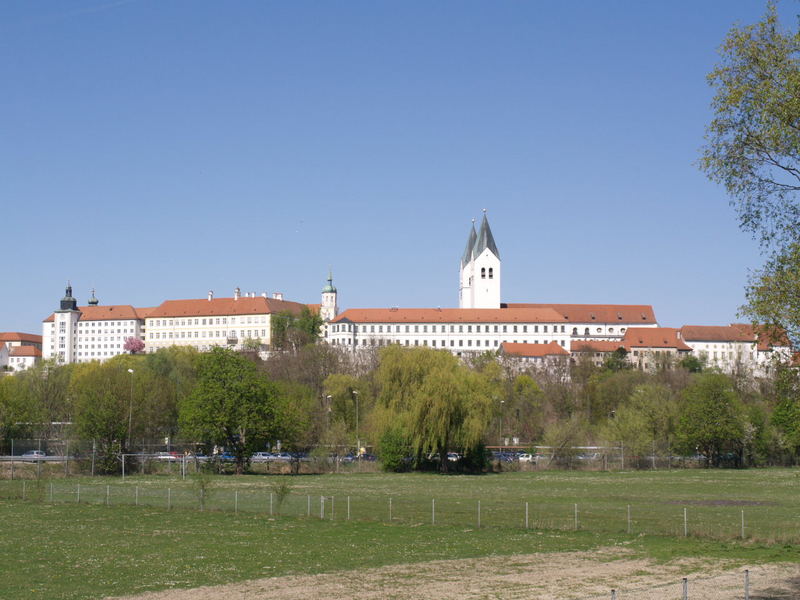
x: 722, y: 503
x: 566, y: 576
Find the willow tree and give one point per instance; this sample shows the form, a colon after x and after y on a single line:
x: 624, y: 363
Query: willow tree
x: 438, y: 403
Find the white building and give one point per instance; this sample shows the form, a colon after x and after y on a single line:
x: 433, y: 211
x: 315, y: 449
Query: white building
x: 204, y: 323
x: 482, y: 322
x: 19, y: 351
x: 734, y: 347
x: 93, y: 332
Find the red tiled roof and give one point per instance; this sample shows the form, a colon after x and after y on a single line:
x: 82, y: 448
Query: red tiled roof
x: 767, y: 338
x: 717, y: 333
x: 314, y: 308
x: 449, y: 315
x: 654, y: 337
x: 599, y: 313
x: 595, y: 346
x: 16, y: 336
x: 145, y: 312
x: 224, y: 306
x: 549, y: 349
x: 109, y: 312
x: 24, y: 351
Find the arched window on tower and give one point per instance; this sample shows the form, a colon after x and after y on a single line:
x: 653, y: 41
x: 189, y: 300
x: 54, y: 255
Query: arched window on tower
x: 491, y: 273
x: 483, y: 272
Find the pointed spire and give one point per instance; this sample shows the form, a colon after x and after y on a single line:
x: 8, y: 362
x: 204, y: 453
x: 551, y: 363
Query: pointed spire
x: 467, y: 256
x: 485, y: 238
x: 330, y: 288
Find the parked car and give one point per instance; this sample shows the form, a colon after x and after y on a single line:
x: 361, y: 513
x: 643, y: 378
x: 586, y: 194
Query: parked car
x: 168, y: 456
x: 453, y: 456
x: 261, y: 457
x: 526, y: 457
x: 34, y: 455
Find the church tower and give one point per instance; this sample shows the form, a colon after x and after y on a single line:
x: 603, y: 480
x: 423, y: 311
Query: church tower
x: 66, y: 328
x: 480, y: 270
x: 465, y: 273
x: 329, y: 307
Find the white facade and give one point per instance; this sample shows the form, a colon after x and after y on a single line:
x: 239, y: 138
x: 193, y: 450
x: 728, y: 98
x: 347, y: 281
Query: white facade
x: 237, y: 322
x: 455, y: 329
x: 479, y: 276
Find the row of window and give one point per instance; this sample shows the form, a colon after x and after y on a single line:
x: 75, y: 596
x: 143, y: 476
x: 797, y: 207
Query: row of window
x: 206, y: 334
x: 206, y: 321
x: 354, y: 327
x: 433, y: 343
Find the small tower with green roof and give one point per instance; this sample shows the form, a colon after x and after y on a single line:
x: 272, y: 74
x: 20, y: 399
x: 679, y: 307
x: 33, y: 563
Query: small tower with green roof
x: 329, y: 307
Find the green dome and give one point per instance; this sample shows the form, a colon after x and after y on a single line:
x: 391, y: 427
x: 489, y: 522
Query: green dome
x: 329, y: 289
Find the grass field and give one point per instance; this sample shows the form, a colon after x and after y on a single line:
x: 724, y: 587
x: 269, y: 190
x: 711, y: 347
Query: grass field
x: 67, y: 549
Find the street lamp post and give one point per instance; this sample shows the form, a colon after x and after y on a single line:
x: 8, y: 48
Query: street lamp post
x: 358, y: 439
x: 130, y: 411
x: 502, y: 402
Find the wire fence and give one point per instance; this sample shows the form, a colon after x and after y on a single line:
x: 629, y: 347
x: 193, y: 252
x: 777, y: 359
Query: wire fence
x: 723, y: 521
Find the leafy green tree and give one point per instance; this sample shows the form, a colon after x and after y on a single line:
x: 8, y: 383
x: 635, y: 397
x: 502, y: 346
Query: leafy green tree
x: 692, y: 363
x: 712, y: 419
x: 393, y: 448
x: 293, y: 331
x: 232, y: 406
x: 773, y: 296
x: 648, y: 417
x: 753, y: 149
x: 103, y: 409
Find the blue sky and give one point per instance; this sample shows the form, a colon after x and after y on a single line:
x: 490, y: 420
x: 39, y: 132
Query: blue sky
x: 158, y: 149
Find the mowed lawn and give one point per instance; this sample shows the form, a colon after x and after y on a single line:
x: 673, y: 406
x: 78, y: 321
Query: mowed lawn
x: 89, y: 549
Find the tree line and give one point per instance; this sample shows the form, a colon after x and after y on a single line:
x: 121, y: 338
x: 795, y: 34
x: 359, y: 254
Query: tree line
x: 412, y: 406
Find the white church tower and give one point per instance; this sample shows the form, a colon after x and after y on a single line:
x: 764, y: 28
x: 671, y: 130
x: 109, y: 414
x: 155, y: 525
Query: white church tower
x: 329, y: 307
x: 480, y: 270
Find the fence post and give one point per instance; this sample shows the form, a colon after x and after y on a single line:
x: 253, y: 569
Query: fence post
x: 136, y: 501
x: 348, y: 508
x: 685, y: 524
x: 322, y: 507
x: 390, y: 510
x: 51, y: 493
x: 333, y: 506
x: 23, y: 489
x: 479, y: 514
x: 742, y: 523
x: 747, y: 584
x: 123, y: 467
x: 169, y: 498
x: 526, y: 515
x: 629, y: 518
x: 576, y: 517
x: 433, y: 511
x: 236, y: 502
x: 12, y: 467
x: 270, y: 504
x: 78, y: 495
x: 108, y: 493
x: 308, y: 512
x: 685, y: 589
